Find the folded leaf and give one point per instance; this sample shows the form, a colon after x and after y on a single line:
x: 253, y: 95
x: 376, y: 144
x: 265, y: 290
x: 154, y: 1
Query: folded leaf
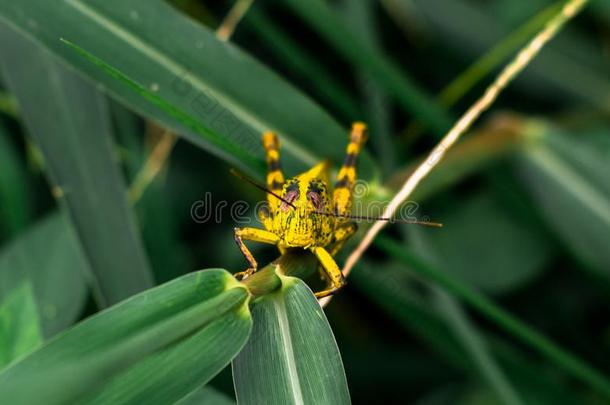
x: 292, y: 356
x: 155, y: 347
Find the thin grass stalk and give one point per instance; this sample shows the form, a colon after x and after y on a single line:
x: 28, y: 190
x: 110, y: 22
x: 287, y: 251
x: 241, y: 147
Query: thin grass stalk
x: 523, y: 58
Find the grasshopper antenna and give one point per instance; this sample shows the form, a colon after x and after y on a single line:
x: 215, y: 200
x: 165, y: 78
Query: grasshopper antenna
x: 398, y: 220
x: 247, y: 179
x: 331, y: 214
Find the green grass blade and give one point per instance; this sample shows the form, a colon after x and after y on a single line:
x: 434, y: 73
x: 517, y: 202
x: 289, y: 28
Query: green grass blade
x: 388, y: 287
x: 8, y: 104
x: 466, y: 334
x: 188, y: 68
x: 331, y: 27
x: 476, y: 153
x: 475, y: 346
x: 230, y: 149
x: 49, y: 257
x: 71, y: 123
x: 603, y: 7
x: 168, y: 255
x: 556, y: 72
x: 303, y: 64
x: 520, y: 255
x: 497, y: 55
x: 16, y: 207
x: 568, y: 180
x: 20, y: 330
x: 559, y: 356
x: 292, y: 356
x: 155, y: 347
x: 378, y: 112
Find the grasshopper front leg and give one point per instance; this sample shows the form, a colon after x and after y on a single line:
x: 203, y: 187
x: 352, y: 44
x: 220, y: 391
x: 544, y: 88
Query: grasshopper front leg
x: 337, y: 281
x: 257, y: 235
x: 341, y: 235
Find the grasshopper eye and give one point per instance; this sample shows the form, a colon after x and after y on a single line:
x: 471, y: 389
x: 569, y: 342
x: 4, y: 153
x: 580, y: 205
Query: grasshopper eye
x: 263, y: 212
x: 316, y: 199
x: 289, y: 197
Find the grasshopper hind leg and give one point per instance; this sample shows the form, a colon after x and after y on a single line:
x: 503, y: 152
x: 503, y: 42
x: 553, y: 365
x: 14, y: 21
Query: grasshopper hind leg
x: 342, y: 195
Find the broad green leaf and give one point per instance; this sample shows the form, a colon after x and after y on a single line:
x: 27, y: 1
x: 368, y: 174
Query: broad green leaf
x: 15, y: 209
x: 329, y: 24
x: 484, y: 245
x: 213, y: 82
x: 568, y: 180
x: 155, y: 347
x: 206, y: 396
x: 292, y: 356
x: 171, y: 373
x: 19, y: 325
x: 70, y: 122
x: 48, y: 257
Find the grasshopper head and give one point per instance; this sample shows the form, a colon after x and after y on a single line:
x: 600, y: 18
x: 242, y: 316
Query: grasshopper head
x: 300, y: 224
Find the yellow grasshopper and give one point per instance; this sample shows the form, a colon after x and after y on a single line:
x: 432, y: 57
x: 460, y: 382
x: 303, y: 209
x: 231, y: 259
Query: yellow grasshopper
x: 301, y: 212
